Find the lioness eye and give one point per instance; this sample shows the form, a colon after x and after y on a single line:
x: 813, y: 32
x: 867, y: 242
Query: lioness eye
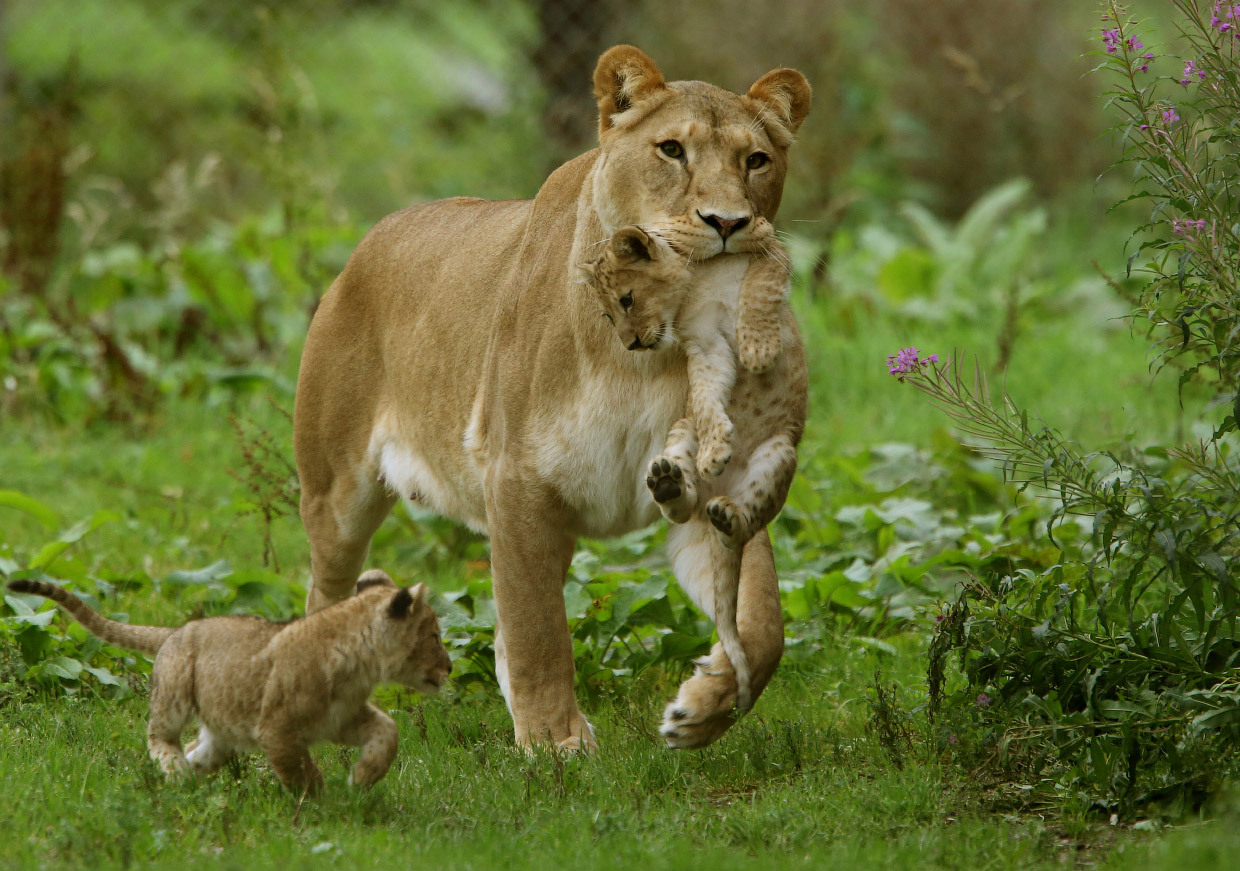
x: 626, y: 301
x: 672, y: 149
x: 757, y: 160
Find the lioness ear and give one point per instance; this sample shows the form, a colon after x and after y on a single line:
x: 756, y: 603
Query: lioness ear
x: 633, y: 243
x: 624, y: 75
x: 374, y: 578
x: 782, y: 96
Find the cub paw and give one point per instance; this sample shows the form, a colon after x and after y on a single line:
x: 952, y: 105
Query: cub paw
x: 665, y: 480
x: 724, y: 516
x: 713, y: 456
x: 757, y: 356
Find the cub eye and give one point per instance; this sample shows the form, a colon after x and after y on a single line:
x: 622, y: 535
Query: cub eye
x: 626, y: 301
x: 672, y: 149
x: 757, y: 160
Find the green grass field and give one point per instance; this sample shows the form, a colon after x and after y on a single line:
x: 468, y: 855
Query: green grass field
x: 804, y: 781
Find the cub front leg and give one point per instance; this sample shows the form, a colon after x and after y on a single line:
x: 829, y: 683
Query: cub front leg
x: 290, y: 757
x: 672, y: 478
x: 375, y: 732
x: 759, y: 315
x: 530, y: 555
x: 712, y: 373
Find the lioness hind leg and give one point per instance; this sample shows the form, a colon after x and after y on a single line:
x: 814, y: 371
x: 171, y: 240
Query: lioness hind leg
x: 340, y: 516
x: 703, y: 708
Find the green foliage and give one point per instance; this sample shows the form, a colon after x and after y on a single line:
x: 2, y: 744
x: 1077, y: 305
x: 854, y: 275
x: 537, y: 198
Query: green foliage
x: 1111, y: 673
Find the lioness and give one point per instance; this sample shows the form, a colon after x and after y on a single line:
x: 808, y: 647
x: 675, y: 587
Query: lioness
x: 246, y: 679
x: 457, y: 363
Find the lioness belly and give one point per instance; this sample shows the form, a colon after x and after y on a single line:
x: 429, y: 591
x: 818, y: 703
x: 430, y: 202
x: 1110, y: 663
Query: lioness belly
x: 597, y: 451
x: 408, y: 470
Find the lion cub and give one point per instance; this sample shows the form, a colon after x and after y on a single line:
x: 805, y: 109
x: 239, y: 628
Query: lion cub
x: 280, y: 687
x: 643, y: 283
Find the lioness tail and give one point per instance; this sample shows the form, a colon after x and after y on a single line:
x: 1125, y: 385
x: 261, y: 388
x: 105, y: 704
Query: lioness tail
x: 145, y: 639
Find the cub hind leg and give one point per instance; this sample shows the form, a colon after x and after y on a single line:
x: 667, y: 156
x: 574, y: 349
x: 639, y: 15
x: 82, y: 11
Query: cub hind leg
x: 758, y: 497
x: 207, y: 753
x: 171, y: 708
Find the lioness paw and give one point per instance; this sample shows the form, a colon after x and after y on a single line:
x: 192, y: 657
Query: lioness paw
x: 703, y: 709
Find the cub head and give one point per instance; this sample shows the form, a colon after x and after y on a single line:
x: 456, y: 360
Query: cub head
x: 691, y: 150
x: 406, y: 636
x: 639, y: 283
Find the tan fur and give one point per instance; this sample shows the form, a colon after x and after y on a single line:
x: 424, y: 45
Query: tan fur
x: 254, y: 684
x: 643, y: 285
x: 458, y: 362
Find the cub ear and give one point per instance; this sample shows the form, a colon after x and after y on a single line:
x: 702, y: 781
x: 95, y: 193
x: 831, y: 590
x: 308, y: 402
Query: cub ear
x: 402, y: 603
x: 624, y: 75
x: 782, y: 96
x: 587, y: 271
x: 633, y: 243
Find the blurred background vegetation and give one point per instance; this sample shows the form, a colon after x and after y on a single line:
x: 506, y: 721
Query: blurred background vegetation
x: 181, y: 180
x: 186, y: 177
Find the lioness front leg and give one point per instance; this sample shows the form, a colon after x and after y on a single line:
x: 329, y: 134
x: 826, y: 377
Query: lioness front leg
x: 530, y: 555
x: 672, y: 478
x: 703, y: 708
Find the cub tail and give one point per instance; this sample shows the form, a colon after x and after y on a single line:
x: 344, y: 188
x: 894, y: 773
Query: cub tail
x: 144, y: 639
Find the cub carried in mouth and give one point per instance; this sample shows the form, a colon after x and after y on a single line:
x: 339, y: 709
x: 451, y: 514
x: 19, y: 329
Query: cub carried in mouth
x: 280, y: 687
x: 644, y: 284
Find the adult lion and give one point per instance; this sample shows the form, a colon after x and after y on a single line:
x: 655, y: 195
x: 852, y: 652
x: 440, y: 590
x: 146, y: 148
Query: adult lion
x: 457, y: 362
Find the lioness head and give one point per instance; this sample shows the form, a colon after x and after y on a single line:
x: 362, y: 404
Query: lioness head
x: 406, y: 634
x: 639, y: 283
x: 692, y: 150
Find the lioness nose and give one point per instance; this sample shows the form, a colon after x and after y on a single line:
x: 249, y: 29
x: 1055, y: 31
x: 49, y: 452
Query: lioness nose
x: 724, y: 226
x: 636, y: 344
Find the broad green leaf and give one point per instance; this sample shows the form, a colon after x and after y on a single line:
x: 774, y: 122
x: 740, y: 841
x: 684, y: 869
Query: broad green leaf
x: 25, y: 504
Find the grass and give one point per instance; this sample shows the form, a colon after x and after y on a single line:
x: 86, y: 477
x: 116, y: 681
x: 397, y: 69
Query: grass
x: 803, y: 782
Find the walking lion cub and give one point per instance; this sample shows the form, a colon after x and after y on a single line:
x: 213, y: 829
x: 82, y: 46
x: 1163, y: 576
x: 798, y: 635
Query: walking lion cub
x: 280, y: 687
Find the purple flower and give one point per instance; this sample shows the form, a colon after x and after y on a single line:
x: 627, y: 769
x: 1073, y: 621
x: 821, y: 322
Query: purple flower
x: 1191, y: 69
x: 1169, y: 116
x: 1145, y: 67
x: 1110, y: 38
x: 951, y: 739
x: 1187, y: 227
x: 983, y: 700
x: 1135, y: 44
x: 906, y: 361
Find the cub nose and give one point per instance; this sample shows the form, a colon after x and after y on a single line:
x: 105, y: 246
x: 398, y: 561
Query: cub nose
x: 636, y: 344
x: 725, y: 227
